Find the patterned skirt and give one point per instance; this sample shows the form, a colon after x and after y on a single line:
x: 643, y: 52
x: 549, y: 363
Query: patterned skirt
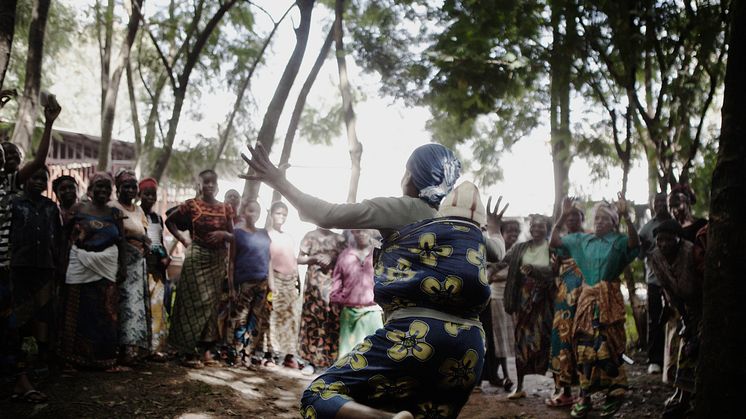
x: 562, y: 362
x: 88, y: 333
x: 357, y: 323
x: 249, y: 318
x: 503, y: 330
x: 134, y: 304
x: 533, y: 327
x: 319, y: 323
x: 426, y: 366
x: 195, y: 307
x: 284, y: 323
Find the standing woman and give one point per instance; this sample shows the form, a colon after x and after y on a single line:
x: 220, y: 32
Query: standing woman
x: 529, y: 293
x: 65, y: 188
x: 352, y: 289
x: 598, y: 330
x: 157, y: 260
x: 134, y: 299
x: 89, y: 329
x: 562, y: 362
x: 194, y: 323
x: 285, y: 317
x: 319, y: 327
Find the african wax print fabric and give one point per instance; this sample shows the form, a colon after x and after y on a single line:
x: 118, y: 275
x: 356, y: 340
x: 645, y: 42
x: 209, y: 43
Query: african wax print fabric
x: 134, y: 302
x: 203, y: 218
x: 427, y: 357
x: 284, y: 323
x: 195, y: 308
x: 532, y: 300
x: 319, y: 327
x: 562, y: 361
x: 503, y: 329
x: 249, y: 318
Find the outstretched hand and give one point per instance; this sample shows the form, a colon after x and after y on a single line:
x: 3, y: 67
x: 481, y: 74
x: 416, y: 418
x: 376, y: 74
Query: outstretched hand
x: 567, y: 204
x: 52, y: 109
x: 495, y: 215
x: 622, y: 206
x: 264, y: 169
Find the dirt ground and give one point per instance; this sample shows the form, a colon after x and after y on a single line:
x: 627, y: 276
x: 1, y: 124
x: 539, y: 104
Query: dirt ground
x: 171, y: 391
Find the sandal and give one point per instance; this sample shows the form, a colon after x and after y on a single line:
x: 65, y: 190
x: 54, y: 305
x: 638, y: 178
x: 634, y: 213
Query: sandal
x: 268, y: 363
x: 31, y: 396
x: 507, y: 384
x: 560, y: 401
x: 610, y: 407
x: 517, y: 395
x: 580, y: 409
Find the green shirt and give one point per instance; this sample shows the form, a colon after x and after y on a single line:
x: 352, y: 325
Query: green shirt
x: 599, y: 258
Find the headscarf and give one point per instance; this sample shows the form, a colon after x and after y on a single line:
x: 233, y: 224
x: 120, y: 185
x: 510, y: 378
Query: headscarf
x: 540, y: 219
x: 148, y: 182
x: 98, y: 176
x: 434, y: 171
x: 57, y: 182
x: 608, y: 209
x: 669, y: 226
x: 124, y: 175
x: 464, y: 201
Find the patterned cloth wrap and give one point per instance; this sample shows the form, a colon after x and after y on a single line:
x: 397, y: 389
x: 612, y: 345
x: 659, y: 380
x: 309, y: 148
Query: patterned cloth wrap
x: 431, y: 280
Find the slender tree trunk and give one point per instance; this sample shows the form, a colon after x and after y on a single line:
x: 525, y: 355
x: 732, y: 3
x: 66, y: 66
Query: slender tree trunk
x: 356, y: 148
x: 105, y: 20
x: 266, y: 135
x: 7, y: 27
x: 300, y: 104
x: 225, y: 135
x: 560, y: 62
x: 133, y: 110
x: 29, y: 102
x: 720, y: 372
x: 112, y: 87
x: 180, y: 86
x: 148, y: 140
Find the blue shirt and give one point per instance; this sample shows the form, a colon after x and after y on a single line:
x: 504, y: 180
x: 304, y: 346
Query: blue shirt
x: 599, y: 258
x: 252, y: 256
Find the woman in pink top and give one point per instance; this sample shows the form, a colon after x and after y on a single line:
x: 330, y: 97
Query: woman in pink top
x: 352, y: 289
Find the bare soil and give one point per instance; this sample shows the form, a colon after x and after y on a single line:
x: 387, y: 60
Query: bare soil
x: 171, y: 391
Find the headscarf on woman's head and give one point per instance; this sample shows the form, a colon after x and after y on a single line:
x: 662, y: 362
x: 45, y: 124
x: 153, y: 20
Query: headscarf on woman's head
x: 608, y: 209
x: 146, y: 183
x: 99, y: 176
x: 540, y: 219
x: 125, y: 175
x: 434, y: 169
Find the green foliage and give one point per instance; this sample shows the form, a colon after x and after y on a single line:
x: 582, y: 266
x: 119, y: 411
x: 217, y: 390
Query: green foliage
x: 701, y: 178
x: 321, y: 126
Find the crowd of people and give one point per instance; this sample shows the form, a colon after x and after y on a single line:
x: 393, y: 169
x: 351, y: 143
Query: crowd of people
x: 404, y: 315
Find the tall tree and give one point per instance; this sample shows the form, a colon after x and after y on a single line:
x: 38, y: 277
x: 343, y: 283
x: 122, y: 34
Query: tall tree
x: 355, y: 146
x: 191, y: 49
x: 27, y: 111
x: 7, y: 28
x: 266, y: 135
x: 111, y: 89
x: 720, y: 372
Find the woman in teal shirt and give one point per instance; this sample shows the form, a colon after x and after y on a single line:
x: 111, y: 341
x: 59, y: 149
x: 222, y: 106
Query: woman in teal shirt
x: 598, y: 329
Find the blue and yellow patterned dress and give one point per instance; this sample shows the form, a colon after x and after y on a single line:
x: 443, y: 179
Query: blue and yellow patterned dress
x: 431, y: 280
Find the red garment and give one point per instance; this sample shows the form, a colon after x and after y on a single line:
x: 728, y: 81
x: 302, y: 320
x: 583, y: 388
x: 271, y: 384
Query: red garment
x: 205, y: 218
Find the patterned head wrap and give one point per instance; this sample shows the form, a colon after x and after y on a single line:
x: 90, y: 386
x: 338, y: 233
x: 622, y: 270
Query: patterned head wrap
x: 606, y: 208
x: 124, y: 175
x: 148, y: 182
x: 99, y: 176
x: 434, y: 171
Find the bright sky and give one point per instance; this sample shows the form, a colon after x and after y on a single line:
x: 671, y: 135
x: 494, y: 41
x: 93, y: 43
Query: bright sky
x: 388, y: 131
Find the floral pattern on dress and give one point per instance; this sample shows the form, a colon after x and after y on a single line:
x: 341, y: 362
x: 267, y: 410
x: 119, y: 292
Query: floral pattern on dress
x: 410, y: 343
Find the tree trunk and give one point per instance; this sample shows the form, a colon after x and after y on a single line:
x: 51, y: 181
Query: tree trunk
x: 27, y: 109
x: 104, y: 43
x: 720, y: 386
x: 300, y: 104
x: 148, y: 140
x: 112, y: 87
x: 133, y: 110
x: 356, y: 148
x: 7, y: 27
x: 168, y: 144
x: 266, y: 135
x: 225, y: 135
x: 560, y: 62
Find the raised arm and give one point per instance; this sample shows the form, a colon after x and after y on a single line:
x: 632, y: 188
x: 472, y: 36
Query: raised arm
x: 623, y: 210
x: 555, y: 240
x: 51, y: 112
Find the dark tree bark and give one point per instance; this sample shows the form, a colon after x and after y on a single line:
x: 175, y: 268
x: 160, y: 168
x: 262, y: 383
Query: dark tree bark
x: 133, y: 109
x: 300, y: 104
x: 559, y: 108
x: 356, y: 148
x: 109, y: 103
x: 7, y: 26
x: 721, y: 370
x: 29, y: 102
x: 266, y: 135
x: 180, y: 83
